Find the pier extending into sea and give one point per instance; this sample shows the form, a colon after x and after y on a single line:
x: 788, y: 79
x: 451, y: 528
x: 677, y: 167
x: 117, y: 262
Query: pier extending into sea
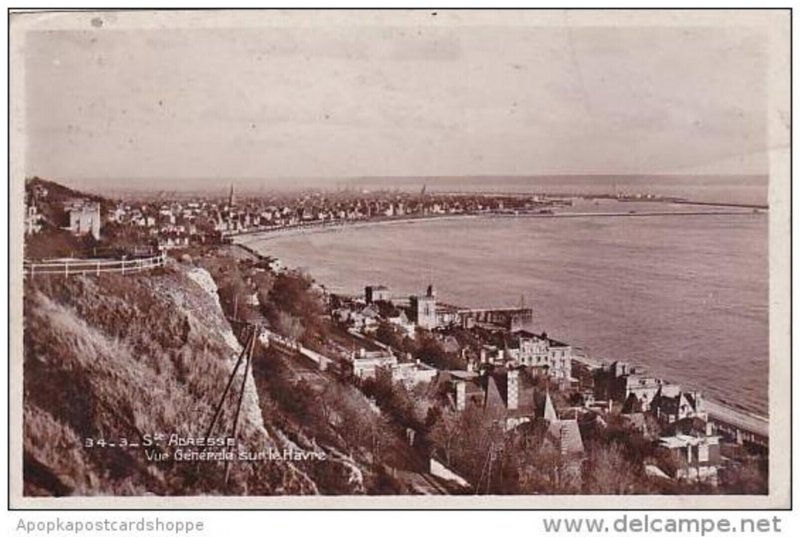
x: 511, y: 318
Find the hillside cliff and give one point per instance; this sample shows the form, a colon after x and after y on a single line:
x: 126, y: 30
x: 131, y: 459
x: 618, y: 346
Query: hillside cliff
x: 122, y: 357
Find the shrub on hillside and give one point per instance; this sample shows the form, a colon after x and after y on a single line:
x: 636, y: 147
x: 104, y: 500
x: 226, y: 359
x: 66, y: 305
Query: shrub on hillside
x: 292, y: 294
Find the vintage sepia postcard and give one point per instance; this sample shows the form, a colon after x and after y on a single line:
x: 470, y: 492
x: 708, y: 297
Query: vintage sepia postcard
x: 471, y: 259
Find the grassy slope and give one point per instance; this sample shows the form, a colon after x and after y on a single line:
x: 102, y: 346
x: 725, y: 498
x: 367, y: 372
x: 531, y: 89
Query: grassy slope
x: 121, y: 357
x: 308, y: 409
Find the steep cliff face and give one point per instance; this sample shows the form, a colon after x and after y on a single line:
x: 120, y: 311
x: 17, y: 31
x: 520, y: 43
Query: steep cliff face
x: 121, y: 358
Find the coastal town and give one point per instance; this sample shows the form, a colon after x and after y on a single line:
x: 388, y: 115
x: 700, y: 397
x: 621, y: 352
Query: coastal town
x: 179, y: 221
x: 434, y: 369
x: 483, y: 360
x: 397, y: 260
x: 166, y: 221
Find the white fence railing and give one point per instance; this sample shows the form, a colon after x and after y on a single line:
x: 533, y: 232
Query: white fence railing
x: 74, y: 267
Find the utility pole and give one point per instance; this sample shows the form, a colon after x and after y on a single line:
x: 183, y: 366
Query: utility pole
x: 246, y: 358
x: 220, y: 404
x: 248, y: 361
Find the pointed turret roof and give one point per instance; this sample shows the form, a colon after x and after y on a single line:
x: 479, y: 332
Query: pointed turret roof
x: 493, y: 397
x: 549, y: 410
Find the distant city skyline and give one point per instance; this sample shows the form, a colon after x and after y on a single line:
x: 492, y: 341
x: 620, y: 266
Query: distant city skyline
x: 437, y: 97
x: 546, y: 183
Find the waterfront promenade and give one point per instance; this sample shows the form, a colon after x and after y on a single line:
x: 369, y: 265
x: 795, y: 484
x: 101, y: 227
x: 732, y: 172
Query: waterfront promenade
x: 752, y: 427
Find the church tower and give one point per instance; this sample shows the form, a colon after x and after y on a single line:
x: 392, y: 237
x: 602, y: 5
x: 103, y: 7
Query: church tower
x: 423, y: 308
x: 231, y: 197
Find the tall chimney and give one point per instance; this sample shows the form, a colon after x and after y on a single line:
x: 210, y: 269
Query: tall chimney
x: 698, y: 401
x: 461, y: 395
x: 513, y: 389
x: 562, y: 439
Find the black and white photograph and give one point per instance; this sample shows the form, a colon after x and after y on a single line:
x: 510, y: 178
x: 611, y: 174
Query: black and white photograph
x: 400, y: 258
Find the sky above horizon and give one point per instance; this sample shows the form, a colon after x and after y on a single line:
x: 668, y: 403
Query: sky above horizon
x: 406, y: 100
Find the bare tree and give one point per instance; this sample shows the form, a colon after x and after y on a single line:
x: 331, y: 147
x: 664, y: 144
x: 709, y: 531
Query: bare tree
x: 609, y: 472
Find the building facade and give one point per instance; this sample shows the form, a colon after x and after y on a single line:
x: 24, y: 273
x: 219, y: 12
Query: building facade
x: 670, y: 405
x: 698, y: 458
x: 618, y: 381
x: 538, y: 351
x: 84, y: 218
x: 423, y: 309
x: 365, y: 364
x: 376, y: 293
x: 409, y: 374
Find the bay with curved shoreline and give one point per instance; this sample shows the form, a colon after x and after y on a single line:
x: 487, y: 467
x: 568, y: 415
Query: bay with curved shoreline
x: 686, y: 297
